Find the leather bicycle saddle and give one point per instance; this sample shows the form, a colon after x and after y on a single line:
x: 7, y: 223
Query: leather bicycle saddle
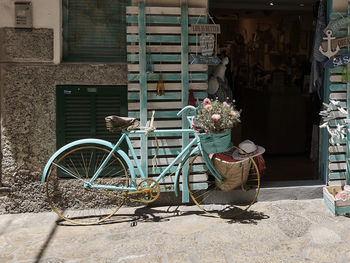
x: 115, y: 122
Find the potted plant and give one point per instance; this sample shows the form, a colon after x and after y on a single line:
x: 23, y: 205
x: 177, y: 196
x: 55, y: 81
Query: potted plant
x: 214, y: 121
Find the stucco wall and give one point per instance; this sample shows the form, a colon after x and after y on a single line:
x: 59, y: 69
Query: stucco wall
x: 28, y: 110
x: 46, y: 14
x: 34, y: 45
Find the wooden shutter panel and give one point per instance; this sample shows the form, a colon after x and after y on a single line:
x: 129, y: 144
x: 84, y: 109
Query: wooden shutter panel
x: 94, y: 30
x: 105, y: 106
x: 81, y: 111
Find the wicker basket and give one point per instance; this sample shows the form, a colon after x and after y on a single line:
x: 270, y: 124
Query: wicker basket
x: 235, y: 173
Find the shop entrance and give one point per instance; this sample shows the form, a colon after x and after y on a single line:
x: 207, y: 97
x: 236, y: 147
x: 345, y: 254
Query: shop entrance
x: 269, y: 72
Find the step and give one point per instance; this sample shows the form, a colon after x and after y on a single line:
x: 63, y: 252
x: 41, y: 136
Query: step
x: 269, y: 191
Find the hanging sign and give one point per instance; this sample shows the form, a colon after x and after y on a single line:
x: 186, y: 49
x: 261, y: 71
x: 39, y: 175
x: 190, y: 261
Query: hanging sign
x: 341, y: 42
x: 198, y: 59
x: 207, y: 44
x: 204, y: 29
x: 207, y: 41
x: 335, y: 25
x: 328, y: 51
x: 338, y: 61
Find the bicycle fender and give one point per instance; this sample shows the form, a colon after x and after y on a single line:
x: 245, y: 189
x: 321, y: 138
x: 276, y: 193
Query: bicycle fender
x: 82, y: 142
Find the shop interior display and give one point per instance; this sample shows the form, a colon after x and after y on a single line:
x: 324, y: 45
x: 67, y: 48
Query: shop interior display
x: 268, y: 75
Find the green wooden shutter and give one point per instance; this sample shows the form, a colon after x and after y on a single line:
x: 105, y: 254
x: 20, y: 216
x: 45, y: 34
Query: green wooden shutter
x: 94, y: 30
x: 81, y: 111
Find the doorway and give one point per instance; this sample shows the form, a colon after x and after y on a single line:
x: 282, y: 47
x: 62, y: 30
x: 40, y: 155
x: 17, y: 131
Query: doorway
x: 269, y: 72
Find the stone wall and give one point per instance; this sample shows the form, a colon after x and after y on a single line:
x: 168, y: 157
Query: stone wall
x: 26, y: 45
x: 28, y: 111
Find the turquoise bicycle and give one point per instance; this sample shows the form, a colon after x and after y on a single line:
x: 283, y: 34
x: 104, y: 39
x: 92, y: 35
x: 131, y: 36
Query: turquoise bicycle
x: 87, y: 181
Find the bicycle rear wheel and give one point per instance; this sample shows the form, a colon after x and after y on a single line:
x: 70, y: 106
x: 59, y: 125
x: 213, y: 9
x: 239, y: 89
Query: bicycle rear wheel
x: 69, y: 172
x: 214, y: 201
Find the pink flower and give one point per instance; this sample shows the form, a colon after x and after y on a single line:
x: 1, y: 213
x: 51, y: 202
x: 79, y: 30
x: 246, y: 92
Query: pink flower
x: 216, y: 117
x: 233, y: 113
x: 206, y: 101
x: 225, y: 104
x: 341, y: 195
x: 208, y: 107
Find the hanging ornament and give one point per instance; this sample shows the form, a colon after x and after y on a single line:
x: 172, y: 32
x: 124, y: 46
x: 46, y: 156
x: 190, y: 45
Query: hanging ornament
x: 191, y: 99
x: 207, y: 42
x: 160, y: 86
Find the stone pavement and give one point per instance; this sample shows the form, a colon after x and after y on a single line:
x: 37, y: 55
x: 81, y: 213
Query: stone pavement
x: 278, y: 231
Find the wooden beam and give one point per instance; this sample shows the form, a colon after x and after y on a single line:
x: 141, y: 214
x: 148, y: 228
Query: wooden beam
x: 161, y: 142
x: 184, y: 81
x: 347, y: 102
x: 161, y: 38
x: 337, y: 149
x: 162, y: 49
x: 337, y: 166
x: 168, y: 76
x: 169, y: 86
x: 155, y: 30
x: 338, y: 96
x: 156, y: 57
x: 157, y: 105
x: 156, y: 19
x: 143, y: 83
x: 169, y: 67
x: 171, y: 95
x: 133, y: 10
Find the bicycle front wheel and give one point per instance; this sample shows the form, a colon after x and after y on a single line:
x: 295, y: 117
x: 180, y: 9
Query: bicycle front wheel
x: 68, y: 173
x: 215, y: 201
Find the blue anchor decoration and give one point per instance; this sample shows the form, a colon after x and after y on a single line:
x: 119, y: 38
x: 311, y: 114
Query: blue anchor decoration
x: 329, y: 53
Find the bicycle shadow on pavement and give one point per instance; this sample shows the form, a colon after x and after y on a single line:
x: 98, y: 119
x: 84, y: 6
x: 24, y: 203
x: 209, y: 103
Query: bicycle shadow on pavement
x: 140, y: 214
x: 157, y: 214
x: 238, y: 215
x: 232, y: 214
x: 149, y: 214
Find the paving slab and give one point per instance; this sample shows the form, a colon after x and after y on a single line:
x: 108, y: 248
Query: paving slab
x: 276, y: 231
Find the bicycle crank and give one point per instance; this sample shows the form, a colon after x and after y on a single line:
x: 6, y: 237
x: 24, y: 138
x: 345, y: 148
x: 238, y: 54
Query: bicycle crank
x: 148, y: 191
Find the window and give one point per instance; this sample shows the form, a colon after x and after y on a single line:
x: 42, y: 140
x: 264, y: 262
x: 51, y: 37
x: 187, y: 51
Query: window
x: 81, y: 111
x: 94, y: 30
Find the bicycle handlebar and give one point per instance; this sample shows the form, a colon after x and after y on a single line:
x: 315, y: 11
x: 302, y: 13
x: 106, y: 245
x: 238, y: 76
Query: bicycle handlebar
x: 188, y: 107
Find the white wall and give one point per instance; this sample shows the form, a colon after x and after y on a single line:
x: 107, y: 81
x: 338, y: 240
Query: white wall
x: 46, y: 14
x: 340, y: 6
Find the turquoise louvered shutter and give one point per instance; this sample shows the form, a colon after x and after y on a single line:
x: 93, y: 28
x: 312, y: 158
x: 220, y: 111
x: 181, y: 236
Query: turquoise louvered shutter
x: 94, y: 30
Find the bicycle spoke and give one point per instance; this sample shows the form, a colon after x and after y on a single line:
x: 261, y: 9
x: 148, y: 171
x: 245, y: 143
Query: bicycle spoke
x: 85, y: 168
x: 101, y: 161
x: 107, y: 167
x: 67, y: 171
x: 77, y: 204
x: 90, y: 162
x: 76, y: 170
x: 200, y: 197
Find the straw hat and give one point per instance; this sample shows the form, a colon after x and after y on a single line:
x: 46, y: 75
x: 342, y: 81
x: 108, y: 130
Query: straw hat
x: 247, y: 149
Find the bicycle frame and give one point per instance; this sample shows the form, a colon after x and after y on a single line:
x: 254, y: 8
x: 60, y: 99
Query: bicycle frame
x: 184, y: 154
x: 114, y: 149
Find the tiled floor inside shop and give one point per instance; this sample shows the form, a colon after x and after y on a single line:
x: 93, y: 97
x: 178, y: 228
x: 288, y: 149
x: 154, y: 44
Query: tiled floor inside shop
x: 288, y: 167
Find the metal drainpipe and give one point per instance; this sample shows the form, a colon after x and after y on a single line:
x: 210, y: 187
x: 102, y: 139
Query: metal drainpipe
x: 0, y: 123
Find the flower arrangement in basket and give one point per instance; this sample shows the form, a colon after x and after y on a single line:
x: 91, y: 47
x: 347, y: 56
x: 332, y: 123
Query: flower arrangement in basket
x: 214, y: 121
x: 216, y: 116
